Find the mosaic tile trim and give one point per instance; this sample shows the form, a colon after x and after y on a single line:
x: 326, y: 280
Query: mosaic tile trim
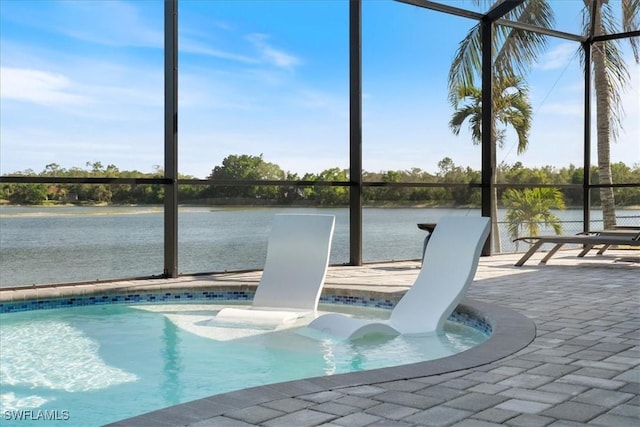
x: 471, y: 320
x: 460, y: 315
x: 357, y: 301
x: 138, y: 297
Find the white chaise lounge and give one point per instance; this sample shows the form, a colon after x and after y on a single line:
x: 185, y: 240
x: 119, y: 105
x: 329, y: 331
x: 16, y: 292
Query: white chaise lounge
x: 605, y: 239
x: 294, y: 271
x: 449, y: 265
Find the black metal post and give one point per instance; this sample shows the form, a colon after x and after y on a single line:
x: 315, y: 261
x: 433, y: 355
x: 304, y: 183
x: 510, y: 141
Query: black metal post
x: 586, y: 180
x: 488, y: 148
x: 171, y: 138
x: 355, y: 133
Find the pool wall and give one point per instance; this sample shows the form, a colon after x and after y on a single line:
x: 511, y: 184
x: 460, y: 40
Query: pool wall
x: 463, y: 314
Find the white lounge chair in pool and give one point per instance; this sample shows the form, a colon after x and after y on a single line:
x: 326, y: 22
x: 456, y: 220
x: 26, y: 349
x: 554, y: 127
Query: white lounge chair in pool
x: 294, y: 271
x: 448, y: 267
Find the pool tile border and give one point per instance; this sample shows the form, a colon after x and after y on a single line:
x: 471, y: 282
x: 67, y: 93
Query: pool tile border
x: 375, y: 300
x: 125, y: 298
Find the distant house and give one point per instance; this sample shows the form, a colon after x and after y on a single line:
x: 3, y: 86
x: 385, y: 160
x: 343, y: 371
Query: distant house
x: 70, y: 197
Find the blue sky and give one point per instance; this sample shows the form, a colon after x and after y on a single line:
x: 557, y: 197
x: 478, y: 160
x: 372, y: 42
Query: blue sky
x: 82, y: 81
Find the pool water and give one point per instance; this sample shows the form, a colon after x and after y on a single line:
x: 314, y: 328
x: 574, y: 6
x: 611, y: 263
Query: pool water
x: 94, y: 365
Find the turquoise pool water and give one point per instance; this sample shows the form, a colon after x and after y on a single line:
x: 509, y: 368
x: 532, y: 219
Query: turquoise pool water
x: 98, y: 364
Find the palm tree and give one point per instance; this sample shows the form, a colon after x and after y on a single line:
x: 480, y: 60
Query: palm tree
x: 513, y: 51
x: 610, y: 75
x: 511, y: 106
x: 529, y: 208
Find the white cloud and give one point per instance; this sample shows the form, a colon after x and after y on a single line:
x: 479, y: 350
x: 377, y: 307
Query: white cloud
x: 630, y: 133
x: 191, y: 46
x: 40, y: 87
x: 113, y: 23
x: 631, y: 96
x: 563, y: 109
x: 335, y: 104
x: 272, y: 55
x: 559, y: 56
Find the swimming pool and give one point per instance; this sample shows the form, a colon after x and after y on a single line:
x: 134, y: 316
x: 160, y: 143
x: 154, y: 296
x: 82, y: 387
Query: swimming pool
x: 102, y: 363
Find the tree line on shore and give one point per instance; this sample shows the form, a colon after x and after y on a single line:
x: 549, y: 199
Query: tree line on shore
x: 251, y: 167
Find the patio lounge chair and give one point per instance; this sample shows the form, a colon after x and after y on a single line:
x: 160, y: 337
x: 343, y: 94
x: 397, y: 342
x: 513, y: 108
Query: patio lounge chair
x: 448, y: 268
x: 294, y: 271
x: 589, y: 241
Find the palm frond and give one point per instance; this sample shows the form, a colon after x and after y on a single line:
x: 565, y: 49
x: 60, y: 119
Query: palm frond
x: 466, y: 63
x: 631, y: 22
x: 516, y: 49
x: 458, y: 118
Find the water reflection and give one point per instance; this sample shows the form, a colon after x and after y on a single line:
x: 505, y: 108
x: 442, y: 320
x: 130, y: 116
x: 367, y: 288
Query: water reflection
x: 171, y: 386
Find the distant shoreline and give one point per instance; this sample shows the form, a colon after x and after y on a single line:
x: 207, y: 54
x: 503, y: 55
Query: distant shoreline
x: 5, y: 203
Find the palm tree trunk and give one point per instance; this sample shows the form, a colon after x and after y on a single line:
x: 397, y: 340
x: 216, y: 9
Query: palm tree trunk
x: 495, y: 232
x: 603, y: 123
